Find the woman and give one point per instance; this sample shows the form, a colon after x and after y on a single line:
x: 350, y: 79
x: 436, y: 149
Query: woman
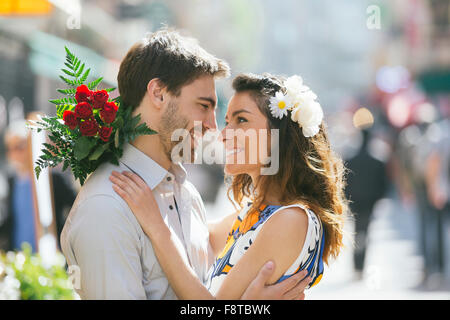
x: 294, y: 217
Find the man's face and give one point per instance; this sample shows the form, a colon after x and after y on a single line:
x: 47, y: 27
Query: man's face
x: 196, y: 103
x: 17, y: 152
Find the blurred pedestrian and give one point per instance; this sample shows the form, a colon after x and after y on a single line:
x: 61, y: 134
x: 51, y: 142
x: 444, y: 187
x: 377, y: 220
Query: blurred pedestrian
x: 19, y: 220
x: 19, y: 224
x: 437, y: 183
x: 366, y: 183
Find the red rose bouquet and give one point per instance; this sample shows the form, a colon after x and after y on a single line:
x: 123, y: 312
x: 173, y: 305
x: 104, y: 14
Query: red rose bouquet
x: 89, y: 128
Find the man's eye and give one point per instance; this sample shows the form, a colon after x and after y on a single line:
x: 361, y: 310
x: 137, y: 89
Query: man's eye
x: 241, y: 120
x: 205, y: 106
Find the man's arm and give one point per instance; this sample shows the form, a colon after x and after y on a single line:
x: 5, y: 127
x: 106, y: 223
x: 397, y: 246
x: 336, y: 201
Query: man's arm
x: 106, y: 246
x: 291, y: 288
x: 293, y: 221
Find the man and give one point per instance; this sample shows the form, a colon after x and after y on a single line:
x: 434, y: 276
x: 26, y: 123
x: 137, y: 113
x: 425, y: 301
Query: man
x: 366, y: 184
x: 169, y: 80
x: 18, y: 223
x: 436, y: 181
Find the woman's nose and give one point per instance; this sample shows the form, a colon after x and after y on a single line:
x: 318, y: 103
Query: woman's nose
x: 223, y: 133
x: 228, y: 134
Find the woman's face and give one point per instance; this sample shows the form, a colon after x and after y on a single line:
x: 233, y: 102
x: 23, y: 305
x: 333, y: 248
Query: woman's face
x: 246, y: 136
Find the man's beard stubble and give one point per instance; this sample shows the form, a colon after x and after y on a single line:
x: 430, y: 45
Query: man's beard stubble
x: 171, y: 120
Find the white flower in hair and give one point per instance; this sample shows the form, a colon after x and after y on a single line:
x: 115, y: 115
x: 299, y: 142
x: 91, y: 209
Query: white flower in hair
x: 309, y: 116
x: 304, y: 109
x: 301, y: 100
x: 279, y: 105
x: 294, y: 85
x: 297, y: 91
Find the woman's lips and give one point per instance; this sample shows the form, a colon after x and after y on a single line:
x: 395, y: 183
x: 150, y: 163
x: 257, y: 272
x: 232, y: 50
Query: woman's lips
x: 231, y: 152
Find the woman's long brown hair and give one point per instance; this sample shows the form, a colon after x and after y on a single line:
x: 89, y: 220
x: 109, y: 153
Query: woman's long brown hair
x: 309, y: 171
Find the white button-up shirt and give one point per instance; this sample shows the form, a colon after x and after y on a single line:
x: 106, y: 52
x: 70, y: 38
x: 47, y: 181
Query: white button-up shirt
x: 103, y: 238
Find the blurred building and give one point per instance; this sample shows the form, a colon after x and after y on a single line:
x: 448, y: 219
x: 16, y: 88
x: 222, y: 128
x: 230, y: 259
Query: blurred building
x: 389, y: 56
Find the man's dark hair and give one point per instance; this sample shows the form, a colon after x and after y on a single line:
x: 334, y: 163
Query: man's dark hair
x: 165, y: 54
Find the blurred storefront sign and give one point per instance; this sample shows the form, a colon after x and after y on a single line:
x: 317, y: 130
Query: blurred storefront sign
x: 25, y: 7
x: 156, y: 11
x: 435, y: 81
x: 67, y: 6
x: 17, y: 81
x: 47, y: 52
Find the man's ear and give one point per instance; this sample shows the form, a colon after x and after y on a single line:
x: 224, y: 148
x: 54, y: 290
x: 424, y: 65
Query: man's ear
x: 156, y: 92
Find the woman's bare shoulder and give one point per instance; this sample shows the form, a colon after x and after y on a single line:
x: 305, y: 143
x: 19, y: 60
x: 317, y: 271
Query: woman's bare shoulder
x: 288, y: 219
x: 287, y: 227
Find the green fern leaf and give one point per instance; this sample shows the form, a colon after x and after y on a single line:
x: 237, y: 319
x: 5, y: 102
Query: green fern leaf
x: 68, y: 81
x: 56, y: 101
x: 92, y: 85
x: 65, y: 165
x: 80, y: 71
x: 68, y: 72
x: 76, y: 65
x: 84, y: 77
x: 71, y: 91
x: 69, y: 54
x: 69, y: 65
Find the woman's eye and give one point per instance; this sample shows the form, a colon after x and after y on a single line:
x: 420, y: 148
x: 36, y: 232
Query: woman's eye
x: 205, y: 106
x: 241, y: 120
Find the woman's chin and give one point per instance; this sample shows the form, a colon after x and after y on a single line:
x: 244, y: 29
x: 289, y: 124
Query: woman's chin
x: 234, y: 169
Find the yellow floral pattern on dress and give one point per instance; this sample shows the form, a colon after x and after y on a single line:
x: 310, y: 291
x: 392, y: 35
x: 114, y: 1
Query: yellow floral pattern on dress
x: 245, y: 229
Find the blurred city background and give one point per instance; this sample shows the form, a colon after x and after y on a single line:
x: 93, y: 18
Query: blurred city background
x: 380, y: 68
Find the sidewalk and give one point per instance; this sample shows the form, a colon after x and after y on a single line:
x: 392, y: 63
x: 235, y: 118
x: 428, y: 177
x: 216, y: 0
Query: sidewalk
x: 393, y: 267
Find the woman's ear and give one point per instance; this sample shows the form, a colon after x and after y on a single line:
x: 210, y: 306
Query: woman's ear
x: 156, y: 92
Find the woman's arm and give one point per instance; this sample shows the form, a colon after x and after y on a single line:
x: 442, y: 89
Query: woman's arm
x: 280, y: 240
x: 182, y: 278
x: 218, y: 232
x: 292, y: 221
x: 141, y: 201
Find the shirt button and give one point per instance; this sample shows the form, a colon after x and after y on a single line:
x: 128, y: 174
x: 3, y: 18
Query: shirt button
x: 169, y: 178
x: 171, y: 207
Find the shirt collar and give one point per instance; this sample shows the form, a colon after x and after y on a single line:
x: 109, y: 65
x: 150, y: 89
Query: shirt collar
x: 178, y: 172
x: 143, y: 165
x: 148, y: 169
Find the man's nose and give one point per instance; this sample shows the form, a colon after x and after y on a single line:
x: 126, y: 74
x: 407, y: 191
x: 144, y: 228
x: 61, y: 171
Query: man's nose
x: 211, y: 122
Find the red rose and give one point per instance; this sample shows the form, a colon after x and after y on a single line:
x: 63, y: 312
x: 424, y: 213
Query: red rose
x: 104, y: 133
x: 99, y: 98
x: 108, y: 113
x: 83, y: 110
x: 83, y: 93
x: 70, y: 119
x: 89, y: 127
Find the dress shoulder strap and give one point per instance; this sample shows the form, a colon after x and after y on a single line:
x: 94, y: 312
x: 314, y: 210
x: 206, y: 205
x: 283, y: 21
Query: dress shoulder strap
x: 314, y: 224
x: 299, y: 205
